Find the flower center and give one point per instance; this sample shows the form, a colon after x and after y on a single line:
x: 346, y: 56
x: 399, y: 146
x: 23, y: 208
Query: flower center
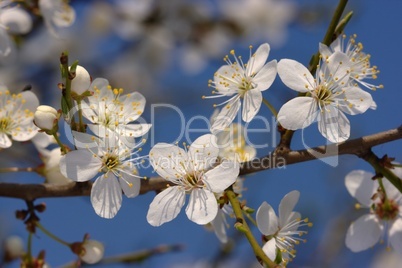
x: 323, y: 95
x: 193, y: 180
x: 110, y: 162
x: 386, y: 210
x: 5, y: 123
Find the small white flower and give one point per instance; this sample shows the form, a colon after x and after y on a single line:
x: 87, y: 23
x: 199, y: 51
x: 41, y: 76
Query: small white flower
x: 245, y: 81
x: 45, y: 117
x: 92, y: 251
x: 81, y: 81
x: 281, y: 233
x: 56, y: 13
x: 385, y: 212
x: 13, y: 20
x: 16, y: 116
x: 328, y: 97
x: 193, y: 172
x: 360, y: 67
x: 113, y: 160
x: 110, y: 112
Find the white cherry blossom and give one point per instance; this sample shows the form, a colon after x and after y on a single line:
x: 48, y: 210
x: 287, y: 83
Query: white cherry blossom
x: 281, y: 233
x: 111, y: 112
x: 113, y: 160
x: 360, y: 67
x: 239, y: 80
x: 56, y: 13
x: 16, y: 116
x: 385, y: 212
x: 13, y: 20
x: 328, y: 97
x: 194, y: 172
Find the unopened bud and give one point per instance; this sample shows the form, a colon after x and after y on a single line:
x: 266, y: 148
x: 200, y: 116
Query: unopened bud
x: 92, y: 251
x: 41, y: 207
x: 21, y: 214
x: 45, y: 117
x: 81, y: 81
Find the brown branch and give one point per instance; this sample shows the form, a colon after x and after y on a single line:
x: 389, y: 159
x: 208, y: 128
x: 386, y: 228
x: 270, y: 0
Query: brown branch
x: 359, y: 147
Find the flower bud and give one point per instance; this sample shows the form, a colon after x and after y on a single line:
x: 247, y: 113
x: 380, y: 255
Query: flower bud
x: 81, y: 81
x: 92, y: 251
x: 45, y: 117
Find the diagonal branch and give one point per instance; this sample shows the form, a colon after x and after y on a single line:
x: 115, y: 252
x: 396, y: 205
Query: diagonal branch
x: 359, y: 147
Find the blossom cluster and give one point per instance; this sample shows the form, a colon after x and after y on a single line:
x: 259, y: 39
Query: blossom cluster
x: 16, y: 20
x: 108, y: 136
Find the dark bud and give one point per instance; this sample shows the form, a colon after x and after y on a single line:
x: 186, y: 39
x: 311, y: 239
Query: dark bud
x: 21, y: 214
x: 40, y: 208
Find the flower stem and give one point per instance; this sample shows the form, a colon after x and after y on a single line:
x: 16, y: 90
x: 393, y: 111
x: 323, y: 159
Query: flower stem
x: 62, y: 147
x: 29, y: 248
x: 270, y: 107
x: 242, y: 226
x: 250, y: 218
x: 18, y: 169
x: 374, y: 161
x: 54, y: 237
x: 81, y: 127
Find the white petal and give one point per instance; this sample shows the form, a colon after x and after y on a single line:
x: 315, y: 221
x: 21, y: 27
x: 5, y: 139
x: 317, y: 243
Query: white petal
x: 363, y: 233
x: 359, y: 99
x: 130, y: 190
x: 134, y: 130
x: 270, y: 249
x: 295, y: 75
x: 324, y: 50
x: 252, y: 104
x: 24, y: 132
x: 360, y: 185
x: 203, y: 152
x: 31, y: 101
x: 16, y: 19
x: 84, y: 140
x: 223, y: 80
x: 395, y: 235
x: 298, y: 113
x: 222, y: 176
x: 267, y: 222
x: 219, y: 227
x: 202, y: 206
x: 373, y: 106
x: 79, y: 165
x: 333, y: 125
x: 286, y: 207
x: 339, y: 66
x: 5, y: 141
x: 168, y: 160
x: 257, y: 60
x: 99, y: 84
x: 266, y: 76
x: 226, y: 116
x: 5, y: 43
x: 166, y: 206
x: 133, y: 106
x: 106, y: 196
